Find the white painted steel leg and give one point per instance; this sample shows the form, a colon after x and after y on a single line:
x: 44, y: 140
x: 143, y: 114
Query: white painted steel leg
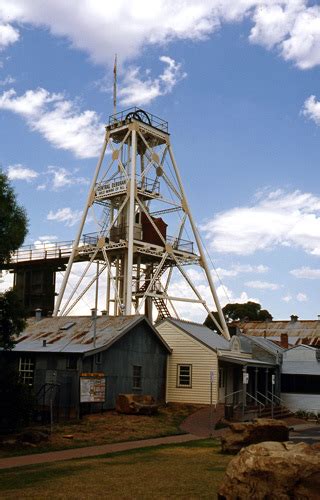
x: 202, y: 254
x: 128, y: 297
x: 84, y: 216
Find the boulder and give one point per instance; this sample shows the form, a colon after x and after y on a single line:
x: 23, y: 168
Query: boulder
x: 273, y: 470
x: 136, y: 404
x: 243, y: 434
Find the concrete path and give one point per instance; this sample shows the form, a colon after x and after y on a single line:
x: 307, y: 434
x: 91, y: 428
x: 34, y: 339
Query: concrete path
x: 202, y: 422
x: 91, y: 451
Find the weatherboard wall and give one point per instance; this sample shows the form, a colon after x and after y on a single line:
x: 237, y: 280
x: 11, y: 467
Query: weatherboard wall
x: 186, y: 350
x: 138, y: 347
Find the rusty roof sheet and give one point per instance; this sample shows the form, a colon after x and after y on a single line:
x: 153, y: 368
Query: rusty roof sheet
x: 301, y: 331
x: 75, y: 334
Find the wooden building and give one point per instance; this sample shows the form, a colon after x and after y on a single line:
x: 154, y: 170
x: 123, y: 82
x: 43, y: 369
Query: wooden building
x: 205, y: 368
x: 82, y: 363
x: 192, y: 372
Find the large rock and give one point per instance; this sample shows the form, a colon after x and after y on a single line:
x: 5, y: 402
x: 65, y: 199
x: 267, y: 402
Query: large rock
x: 243, y: 434
x: 131, y: 404
x: 273, y: 470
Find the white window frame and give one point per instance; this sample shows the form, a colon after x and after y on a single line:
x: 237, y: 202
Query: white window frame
x: 179, y: 375
x: 26, y: 370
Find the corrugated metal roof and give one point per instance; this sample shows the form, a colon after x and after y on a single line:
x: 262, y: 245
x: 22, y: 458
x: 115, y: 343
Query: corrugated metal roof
x: 74, y: 334
x: 202, y: 333
x: 266, y: 344
x: 244, y: 361
x: 298, y: 331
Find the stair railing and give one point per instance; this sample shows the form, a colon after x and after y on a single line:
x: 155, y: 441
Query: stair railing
x: 261, y: 405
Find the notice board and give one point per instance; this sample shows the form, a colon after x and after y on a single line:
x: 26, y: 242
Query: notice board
x: 92, y: 388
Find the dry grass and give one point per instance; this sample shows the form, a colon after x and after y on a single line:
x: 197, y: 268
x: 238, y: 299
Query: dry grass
x: 108, y: 427
x: 190, y: 471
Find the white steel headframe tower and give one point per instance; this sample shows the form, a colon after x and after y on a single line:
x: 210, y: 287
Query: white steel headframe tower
x: 132, y: 188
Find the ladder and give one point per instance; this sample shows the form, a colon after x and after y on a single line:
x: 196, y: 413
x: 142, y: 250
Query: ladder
x: 161, y: 306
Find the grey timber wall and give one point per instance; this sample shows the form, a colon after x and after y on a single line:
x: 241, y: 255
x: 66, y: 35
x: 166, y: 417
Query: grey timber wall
x: 139, y: 347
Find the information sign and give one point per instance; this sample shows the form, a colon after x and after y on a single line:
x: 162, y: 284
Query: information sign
x: 92, y: 387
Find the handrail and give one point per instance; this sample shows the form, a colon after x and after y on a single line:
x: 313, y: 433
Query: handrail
x: 265, y: 397
x: 281, y: 401
x: 256, y: 400
x: 232, y: 393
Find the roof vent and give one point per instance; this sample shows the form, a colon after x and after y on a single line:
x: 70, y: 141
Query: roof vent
x: 93, y: 313
x: 104, y: 313
x: 66, y: 326
x: 44, y: 343
x: 294, y: 318
x: 38, y: 314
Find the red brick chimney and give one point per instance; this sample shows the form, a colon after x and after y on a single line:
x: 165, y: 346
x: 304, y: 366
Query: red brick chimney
x: 284, y: 340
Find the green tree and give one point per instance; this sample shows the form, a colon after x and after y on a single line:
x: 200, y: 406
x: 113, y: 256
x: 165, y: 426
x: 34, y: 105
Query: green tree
x: 12, y: 319
x: 15, y: 399
x: 13, y: 220
x: 250, y: 311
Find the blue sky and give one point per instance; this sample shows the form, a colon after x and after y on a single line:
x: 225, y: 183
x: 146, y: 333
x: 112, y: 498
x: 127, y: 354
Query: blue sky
x: 238, y: 82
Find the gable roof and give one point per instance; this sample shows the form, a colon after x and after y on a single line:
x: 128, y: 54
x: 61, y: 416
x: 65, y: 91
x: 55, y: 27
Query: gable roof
x: 309, y: 365
x: 75, y: 334
x: 265, y: 344
x: 201, y: 333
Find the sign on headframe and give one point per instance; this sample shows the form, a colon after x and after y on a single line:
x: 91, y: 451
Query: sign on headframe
x: 92, y: 388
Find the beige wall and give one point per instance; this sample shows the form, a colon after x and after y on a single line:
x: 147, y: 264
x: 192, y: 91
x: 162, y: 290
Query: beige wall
x: 187, y: 350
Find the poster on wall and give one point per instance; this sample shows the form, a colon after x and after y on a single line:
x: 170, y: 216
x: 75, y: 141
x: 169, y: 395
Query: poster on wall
x: 92, y: 387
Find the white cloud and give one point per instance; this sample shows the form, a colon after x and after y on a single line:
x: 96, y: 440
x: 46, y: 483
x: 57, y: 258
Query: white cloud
x: 301, y: 297
x: 61, y: 178
x: 311, y: 109
x: 67, y: 215
x: 46, y: 241
x: 277, y: 219
x: 8, y: 80
x: 287, y: 298
x: 19, y: 172
x: 303, y: 44
x: 306, y: 272
x: 58, y: 120
x: 289, y: 26
x: 237, y: 269
x: 8, y: 35
x: 196, y: 312
x: 135, y: 90
x: 262, y: 285
x: 48, y: 238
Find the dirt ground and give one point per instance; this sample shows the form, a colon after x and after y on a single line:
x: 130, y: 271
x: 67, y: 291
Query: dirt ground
x: 100, y: 428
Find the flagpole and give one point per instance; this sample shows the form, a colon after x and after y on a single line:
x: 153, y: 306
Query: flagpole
x: 115, y: 85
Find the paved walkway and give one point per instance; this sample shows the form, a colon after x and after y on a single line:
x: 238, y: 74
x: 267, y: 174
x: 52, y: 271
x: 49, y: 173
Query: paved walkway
x: 202, y: 422
x: 91, y: 451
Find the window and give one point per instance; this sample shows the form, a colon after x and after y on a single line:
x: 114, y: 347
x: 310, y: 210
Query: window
x: 184, y: 376
x: 137, y: 371
x: 97, y: 358
x: 300, y: 384
x: 26, y: 370
x: 72, y: 363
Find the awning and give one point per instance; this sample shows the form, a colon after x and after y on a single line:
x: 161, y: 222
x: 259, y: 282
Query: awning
x: 246, y: 362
